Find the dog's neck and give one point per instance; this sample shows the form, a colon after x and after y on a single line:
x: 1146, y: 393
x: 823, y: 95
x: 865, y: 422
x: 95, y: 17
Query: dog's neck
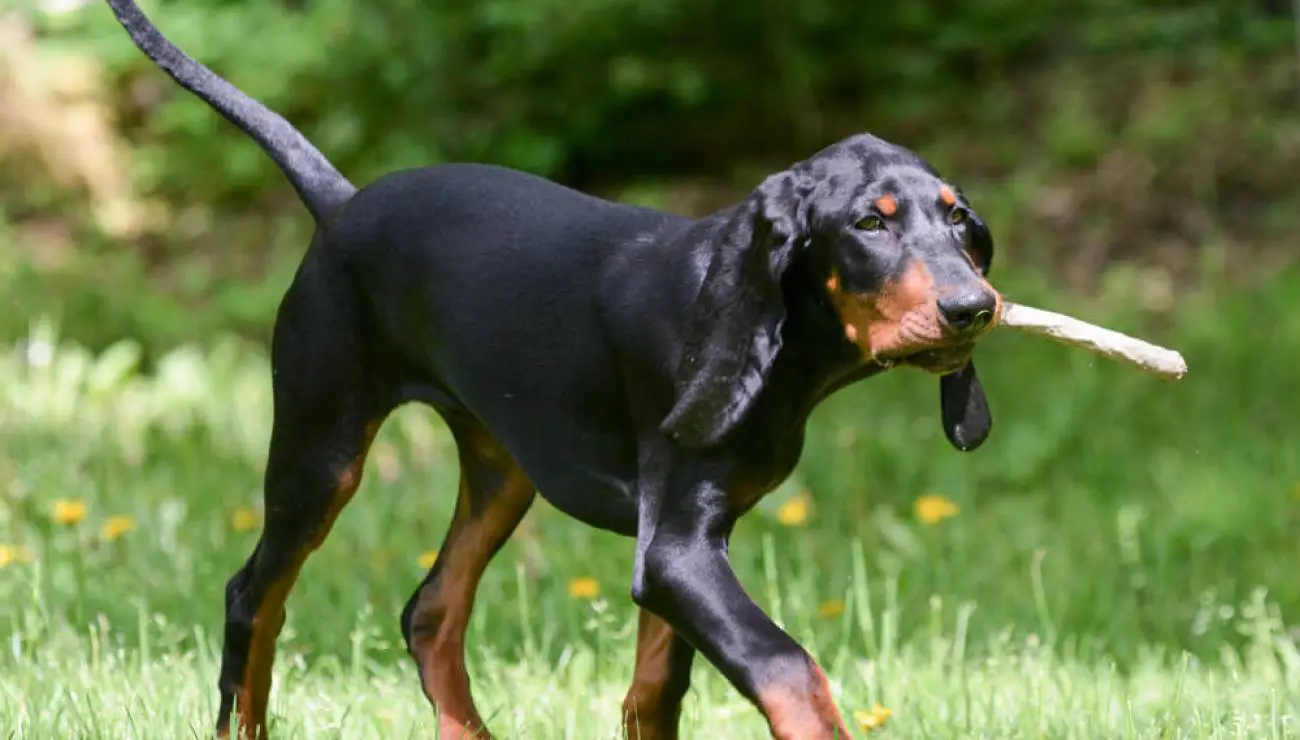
x: 815, y: 361
x: 816, y: 358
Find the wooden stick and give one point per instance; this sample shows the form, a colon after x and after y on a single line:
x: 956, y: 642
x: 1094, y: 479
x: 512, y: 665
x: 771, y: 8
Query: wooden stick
x: 1159, y: 361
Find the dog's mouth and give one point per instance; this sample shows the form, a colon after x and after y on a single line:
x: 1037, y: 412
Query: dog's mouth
x: 934, y: 360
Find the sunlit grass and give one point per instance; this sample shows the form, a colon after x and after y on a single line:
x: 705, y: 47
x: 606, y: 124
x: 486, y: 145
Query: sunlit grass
x: 99, y: 682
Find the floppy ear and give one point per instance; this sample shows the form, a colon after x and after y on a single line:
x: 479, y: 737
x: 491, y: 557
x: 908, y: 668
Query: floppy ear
x: 735, y: 332
x: 964, y: 408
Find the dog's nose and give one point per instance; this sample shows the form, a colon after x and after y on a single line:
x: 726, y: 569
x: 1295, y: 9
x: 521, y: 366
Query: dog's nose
x: 968, y: 310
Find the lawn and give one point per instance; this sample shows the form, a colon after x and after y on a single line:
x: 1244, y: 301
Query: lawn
x: 567, y: 682
x: 1118, y: 560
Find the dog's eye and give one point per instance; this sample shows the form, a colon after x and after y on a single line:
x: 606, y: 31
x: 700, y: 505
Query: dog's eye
x: 870, y: 223
x: 957, y: 216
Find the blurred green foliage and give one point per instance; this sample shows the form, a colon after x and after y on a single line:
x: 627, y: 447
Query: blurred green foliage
x: 612, y: 90
x: 1096, y: 131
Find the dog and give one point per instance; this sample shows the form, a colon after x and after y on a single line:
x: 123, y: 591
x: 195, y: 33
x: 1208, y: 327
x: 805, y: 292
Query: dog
x: 648, y: 374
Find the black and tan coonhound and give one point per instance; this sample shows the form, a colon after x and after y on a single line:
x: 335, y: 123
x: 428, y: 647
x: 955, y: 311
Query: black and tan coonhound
x: 649, y: 374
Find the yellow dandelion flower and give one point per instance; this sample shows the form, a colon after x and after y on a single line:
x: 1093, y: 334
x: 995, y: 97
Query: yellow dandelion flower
x: 115, y: 527
x: 934, y: 508
x: 794, y: 511
x: 872, y: 719
x: 14, y: 555
x: 831, y: 608
x: 68, y: 512
x: 584, y: 588
x: 427, y: 559
x: 244, y: 519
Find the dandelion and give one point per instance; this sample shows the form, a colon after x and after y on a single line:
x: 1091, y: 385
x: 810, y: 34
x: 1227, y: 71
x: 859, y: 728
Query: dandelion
x: 14, y: 555
x: 794, y: 511
x: 115, y: 527
x: 427, y: 559
x: 584, y: 588
x: 934, y: 508
x: 831, y: 608
x: 244, y: 519
x: 68, y: 512
x: 872, y: 719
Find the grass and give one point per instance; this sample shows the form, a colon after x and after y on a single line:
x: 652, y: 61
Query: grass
x: 62, y: 682
x: 1118, y: 560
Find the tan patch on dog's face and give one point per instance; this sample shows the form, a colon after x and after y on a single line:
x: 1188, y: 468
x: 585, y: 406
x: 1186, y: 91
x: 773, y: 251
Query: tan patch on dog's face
x: 901, y: 317
x: 947, y: 196
x: 887, y: 204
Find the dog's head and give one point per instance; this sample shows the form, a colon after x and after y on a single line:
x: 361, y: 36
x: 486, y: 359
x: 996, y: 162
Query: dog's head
x: 899, y: 254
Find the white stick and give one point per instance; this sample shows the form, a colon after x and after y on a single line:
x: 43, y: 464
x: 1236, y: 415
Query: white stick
x: 1159, y: 361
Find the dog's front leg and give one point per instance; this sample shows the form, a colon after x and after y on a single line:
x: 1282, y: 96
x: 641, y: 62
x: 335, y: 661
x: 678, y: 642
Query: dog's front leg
x: 682, y: 574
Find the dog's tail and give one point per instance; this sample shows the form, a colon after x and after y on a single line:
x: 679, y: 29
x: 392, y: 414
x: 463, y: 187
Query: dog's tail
x: 320, y: 186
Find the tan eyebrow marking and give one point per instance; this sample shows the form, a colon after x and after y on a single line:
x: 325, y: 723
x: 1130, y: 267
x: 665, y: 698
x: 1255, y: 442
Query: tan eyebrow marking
x: 887, y: 205
x: 947, y: 196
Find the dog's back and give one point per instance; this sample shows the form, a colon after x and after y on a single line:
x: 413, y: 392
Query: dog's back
x: 461, y: 256
x: 488, y: 281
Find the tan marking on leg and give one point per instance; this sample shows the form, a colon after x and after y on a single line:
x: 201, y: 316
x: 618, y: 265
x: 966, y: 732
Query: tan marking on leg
x: 255, y: 686
x: 652, y: 708
x: 444, y: 607
x: 801, y: 707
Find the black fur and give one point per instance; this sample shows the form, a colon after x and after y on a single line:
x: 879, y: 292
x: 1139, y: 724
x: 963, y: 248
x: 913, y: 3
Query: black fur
x: 735, y: 332
x: 648, y: 374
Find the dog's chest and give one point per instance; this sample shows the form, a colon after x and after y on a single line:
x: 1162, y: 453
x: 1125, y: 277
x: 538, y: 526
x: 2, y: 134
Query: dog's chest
x: 763, y: 463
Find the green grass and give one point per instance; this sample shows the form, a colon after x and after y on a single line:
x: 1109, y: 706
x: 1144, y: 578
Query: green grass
x: 1123, y: 563
x: 61, y: 682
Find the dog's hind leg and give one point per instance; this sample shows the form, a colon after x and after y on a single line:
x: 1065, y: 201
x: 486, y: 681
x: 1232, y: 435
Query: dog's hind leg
x: 327, y: 412
x: 495, y: 494
x: 653, y: 707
